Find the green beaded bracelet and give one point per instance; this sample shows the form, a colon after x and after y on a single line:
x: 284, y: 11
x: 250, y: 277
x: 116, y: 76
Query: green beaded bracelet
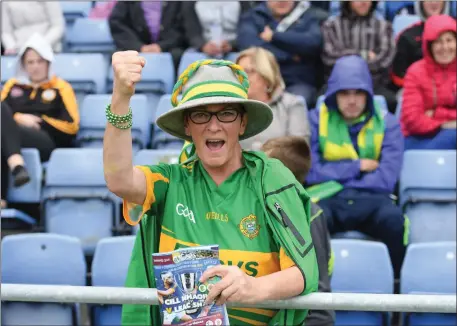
x: 120, y: 121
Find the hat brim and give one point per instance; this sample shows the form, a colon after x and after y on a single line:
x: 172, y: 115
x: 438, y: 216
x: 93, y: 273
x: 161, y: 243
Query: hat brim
x: 259, y: 114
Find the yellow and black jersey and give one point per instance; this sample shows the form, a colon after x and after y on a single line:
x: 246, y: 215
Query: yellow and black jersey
x: 54, y: 101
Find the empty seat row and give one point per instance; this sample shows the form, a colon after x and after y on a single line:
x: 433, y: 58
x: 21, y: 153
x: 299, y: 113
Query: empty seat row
x: 75, y: 200
x: 364, y: 267
x: 53, y: 259
x: 74, y: 197
x: 428, y: 194
x: 359, y: 267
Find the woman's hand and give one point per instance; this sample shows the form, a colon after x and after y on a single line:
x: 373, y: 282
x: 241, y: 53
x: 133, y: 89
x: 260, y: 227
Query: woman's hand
x: 429, y: 113
x: 235, y: 285
x: 127, y: 67
x: 449, y: 125
x: 28, y: 120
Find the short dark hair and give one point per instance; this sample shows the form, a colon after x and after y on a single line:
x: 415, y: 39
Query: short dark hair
x: 293, y: 152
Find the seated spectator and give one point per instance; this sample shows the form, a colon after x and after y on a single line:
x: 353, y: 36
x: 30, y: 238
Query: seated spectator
x: 357, y: 30
x: 290, y: 116
x: 39, y: 110
x: 428, y: 116
x: 211, y: 26
x: 409, y: 42
x: 21, y: 19
x: 291, y: 31
x: 356, y: 155
x: 148, y: 27
x: 102, y: 9
x: 294, y: 153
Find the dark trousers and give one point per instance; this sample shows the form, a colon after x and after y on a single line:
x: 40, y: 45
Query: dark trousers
x: 15, y: 137
x: 373, y: 214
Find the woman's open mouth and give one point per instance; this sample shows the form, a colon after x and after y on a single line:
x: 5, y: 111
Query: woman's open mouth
x: 215, y: 145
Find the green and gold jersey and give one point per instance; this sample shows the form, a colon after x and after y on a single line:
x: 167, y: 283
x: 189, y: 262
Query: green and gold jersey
x: 195, y: 211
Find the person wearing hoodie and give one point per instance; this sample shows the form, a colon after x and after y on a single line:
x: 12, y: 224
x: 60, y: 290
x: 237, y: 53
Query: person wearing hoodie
x: 409, y: 42
x: 291, y: 31
x: 357, y: 30
x: 429, y: 107
x: 357, y: 154
x: 39, y: 110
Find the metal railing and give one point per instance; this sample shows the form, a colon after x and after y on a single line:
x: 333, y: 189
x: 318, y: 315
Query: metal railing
x: 316, y: 301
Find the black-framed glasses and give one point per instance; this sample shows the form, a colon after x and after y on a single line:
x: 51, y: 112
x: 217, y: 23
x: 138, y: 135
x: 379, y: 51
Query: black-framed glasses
x: 225, y: 116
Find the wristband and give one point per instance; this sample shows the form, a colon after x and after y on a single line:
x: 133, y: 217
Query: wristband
x: 120, y: 121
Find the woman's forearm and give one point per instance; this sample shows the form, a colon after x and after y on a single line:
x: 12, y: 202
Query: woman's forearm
x: 117, y: 151
x: 280, y: 285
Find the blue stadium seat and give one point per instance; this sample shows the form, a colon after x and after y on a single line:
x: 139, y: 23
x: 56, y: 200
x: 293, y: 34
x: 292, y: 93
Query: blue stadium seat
x: 161, y: 139
x: 401, y: 22
x: 156, y: 156
x: 8, y: 66
x: 75, y: 9
x: 109, y: 268
x: 361, y: 267
x: 428, y: 193
x: 189, y: 57
x: 394, y: 8
x: 453, y: 8
x: 380, y: 100
x: 86, y: 72
x: 90, y: 35
x: 48, y: 259
x: 429, y: 268
x: 15, y: 219
x: 76, y: 200
x: 93, y: 120
x: 30, y: 192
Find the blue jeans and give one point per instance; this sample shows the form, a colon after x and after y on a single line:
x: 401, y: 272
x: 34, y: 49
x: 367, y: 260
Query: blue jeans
x: 308, y: 92
x: 444, y: 139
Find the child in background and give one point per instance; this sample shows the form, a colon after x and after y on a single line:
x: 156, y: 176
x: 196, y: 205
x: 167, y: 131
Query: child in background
x: 295, y: 154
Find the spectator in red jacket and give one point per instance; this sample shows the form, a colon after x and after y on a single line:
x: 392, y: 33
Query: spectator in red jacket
x: 428, y: 116
x: 409, y: 41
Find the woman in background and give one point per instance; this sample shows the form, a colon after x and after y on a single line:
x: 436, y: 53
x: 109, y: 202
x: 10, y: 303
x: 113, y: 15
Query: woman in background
x: 290, y: 113
x: 21, y: 19
x: 39, y: 110
x: 428, y: 116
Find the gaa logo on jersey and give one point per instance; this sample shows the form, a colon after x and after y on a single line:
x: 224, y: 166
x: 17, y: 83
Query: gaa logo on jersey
x: 186, y: 212
x: 249, y: 226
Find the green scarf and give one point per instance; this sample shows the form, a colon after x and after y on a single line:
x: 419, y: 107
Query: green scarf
x: 335, y: 144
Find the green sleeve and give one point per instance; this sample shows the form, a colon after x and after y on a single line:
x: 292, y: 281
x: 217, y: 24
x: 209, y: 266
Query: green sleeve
x: 157, y: 181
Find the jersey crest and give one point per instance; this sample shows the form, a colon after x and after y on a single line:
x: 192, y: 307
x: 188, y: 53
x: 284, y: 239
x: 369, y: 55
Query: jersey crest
x: 249, y: 226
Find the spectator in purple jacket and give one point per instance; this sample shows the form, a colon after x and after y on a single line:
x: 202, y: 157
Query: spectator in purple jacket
x: 292, y: 32
x: 357, y: 153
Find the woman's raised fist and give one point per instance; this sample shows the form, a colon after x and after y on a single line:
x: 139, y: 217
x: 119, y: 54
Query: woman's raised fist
x: 127, y: 67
